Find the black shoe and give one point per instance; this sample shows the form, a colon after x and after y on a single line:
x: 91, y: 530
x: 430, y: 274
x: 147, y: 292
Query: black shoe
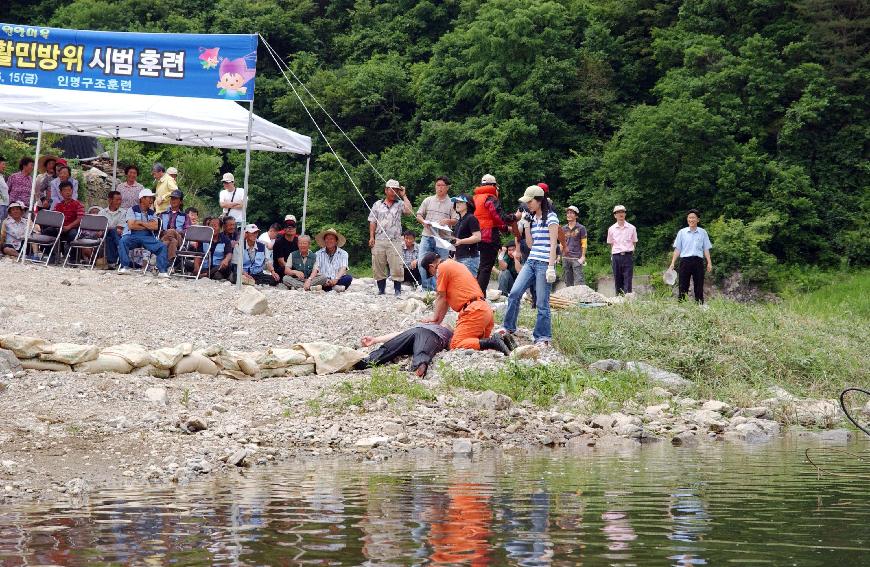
x: 509, y: 340
x: 495, y: 342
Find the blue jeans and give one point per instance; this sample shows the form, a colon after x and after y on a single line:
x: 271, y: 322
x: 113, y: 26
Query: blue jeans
x: 534, y: 272
x: 472, y: 263
x: 427, y: 244
x: 113, y: 241
x: 149, y: 243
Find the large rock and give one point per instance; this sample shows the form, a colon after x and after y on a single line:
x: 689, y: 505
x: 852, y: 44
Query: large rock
x: 492, y: 401
x: 667, y: 380
x: 411, y: 306
x: 69, y: 353
x: 606, y: 365
x: 9, y: 362
x: 717, y: 406
x: 252, y: 302
x: 816, y: 413
x: 156, y: 395
x: 371, y: 442
x: 527, y: 352
x: 708, y: 420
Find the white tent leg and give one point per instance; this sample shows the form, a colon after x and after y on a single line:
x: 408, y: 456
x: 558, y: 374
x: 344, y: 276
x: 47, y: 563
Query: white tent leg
x: 115, y: 162
x: 305, y: 194
x: 240, y: 246
x: 32, y: 192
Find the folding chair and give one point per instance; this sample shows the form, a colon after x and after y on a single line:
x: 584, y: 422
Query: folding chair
x: 90, y: 223
x: 199, y: 234
x: 150, y: 255
x: 45, y: 219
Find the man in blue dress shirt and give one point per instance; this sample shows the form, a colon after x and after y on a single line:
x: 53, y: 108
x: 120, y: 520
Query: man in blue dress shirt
x: 692, y: 246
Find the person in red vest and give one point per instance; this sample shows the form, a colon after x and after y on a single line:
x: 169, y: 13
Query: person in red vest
x: 493, y: 220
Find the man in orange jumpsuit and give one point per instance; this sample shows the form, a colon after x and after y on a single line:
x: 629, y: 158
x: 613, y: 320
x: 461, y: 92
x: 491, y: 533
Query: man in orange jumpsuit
x: 458, y: 290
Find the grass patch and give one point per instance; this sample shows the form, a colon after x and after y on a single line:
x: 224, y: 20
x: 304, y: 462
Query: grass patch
x: 543, y: 385
x: 388, y: 382
x: 812, y: 345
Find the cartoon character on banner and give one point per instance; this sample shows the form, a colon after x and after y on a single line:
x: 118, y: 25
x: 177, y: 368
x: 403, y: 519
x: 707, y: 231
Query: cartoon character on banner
x: 209, y: 57
x: 234, y: 74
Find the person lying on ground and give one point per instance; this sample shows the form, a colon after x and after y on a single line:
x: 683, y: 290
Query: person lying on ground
x: 458, y: 290
x: 421, y: 342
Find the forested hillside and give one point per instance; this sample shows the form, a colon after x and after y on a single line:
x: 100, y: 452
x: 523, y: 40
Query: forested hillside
x: 753, y: 111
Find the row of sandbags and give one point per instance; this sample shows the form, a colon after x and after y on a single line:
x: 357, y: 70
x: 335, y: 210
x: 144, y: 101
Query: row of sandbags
x: 300, y: 360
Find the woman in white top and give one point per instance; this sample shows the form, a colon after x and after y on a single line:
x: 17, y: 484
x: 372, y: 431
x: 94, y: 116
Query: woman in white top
x: 540, y: 268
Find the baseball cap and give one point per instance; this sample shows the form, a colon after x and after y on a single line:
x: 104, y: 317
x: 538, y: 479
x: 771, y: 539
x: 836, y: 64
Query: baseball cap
x: 619, y: 208
x: 532, y: 191
x: 228, y: 178
x: 172, y: 171
x: 18, y: 204
x: 545, y: 187
x: 176, y: 193
x: 146, y: 193
x: 252, y: 228
x: 393, y: 184
x: 289, y: 218
x: 488, y: 179
x: 573, y: 208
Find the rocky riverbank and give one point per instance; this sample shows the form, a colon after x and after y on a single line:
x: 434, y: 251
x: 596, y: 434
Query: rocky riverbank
x: 64, y: 433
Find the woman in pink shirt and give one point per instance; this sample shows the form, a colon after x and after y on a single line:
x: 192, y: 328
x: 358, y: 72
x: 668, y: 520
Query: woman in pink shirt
x: 622, y: 236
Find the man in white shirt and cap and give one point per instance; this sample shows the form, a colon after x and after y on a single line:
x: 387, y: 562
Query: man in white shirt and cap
x: 232, y: 198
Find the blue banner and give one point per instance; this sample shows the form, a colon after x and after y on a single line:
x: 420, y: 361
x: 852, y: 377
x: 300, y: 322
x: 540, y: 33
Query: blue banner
x: 189, y: 65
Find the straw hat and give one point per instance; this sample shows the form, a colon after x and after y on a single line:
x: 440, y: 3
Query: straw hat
x: 322, y: 234
x: 44, y: 159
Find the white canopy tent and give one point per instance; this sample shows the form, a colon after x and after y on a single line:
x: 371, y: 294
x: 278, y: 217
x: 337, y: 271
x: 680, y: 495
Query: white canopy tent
x: 147, y: 118
x: 160, y: 119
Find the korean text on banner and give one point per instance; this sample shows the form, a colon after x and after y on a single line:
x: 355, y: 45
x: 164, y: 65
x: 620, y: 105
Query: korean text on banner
x: 190, y: 65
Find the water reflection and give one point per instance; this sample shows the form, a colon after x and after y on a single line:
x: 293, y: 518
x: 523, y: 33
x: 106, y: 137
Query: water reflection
x: 658, y: 506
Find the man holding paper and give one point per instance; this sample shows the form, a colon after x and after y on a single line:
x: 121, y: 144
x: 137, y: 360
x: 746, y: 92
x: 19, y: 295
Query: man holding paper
x: 437, y: 209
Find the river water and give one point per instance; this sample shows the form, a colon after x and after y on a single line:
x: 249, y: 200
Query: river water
x: 713, y: 505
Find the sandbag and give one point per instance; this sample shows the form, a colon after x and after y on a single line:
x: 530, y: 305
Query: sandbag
x: 70, y: 353
x: 212, y: 350
x: 105, y: 363
x: 151, y: 370
x: 137, y: 355
x: 234, y: 374
x: 274, y: 372
x: 196, y: 362
x: 301, y: 370
x: 37, y: 364
x: 281, y: 358
x: 245, y: 361
x: 186, y: 348
x: 23, y: 346
x: 166, y: 357
x: 330, y: 358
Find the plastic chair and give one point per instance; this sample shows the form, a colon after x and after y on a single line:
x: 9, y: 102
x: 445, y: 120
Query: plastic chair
x: 194, y: 234
x: 90, y: 223
x: 45, y: 219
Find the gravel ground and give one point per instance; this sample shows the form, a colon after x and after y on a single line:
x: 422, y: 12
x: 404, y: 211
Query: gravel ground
x: 65, y: 433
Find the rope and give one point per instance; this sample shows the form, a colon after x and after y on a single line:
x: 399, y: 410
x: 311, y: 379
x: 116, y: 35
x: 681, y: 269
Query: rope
x: 281, y: 67
x: 846, y: 411
x: 281, y: 64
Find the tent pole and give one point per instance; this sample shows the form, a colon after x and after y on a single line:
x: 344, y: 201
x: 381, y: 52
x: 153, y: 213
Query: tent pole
x: 240, y: 246
x: 305, y: 193
x: 32, y: 193
x: 115, y: 161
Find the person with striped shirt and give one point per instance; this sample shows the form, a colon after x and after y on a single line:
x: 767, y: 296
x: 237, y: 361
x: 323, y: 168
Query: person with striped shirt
x: 540, y: 268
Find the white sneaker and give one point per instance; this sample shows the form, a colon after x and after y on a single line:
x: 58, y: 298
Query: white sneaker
x: 163, y: 275
x: 339, y: 288
x: 125, y: 270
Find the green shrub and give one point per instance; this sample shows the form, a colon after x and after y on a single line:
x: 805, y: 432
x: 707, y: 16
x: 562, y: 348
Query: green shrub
x: 739, y: 246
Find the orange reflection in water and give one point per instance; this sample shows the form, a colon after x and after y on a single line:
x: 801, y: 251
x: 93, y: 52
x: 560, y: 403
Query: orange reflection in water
x: 461, y: 534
